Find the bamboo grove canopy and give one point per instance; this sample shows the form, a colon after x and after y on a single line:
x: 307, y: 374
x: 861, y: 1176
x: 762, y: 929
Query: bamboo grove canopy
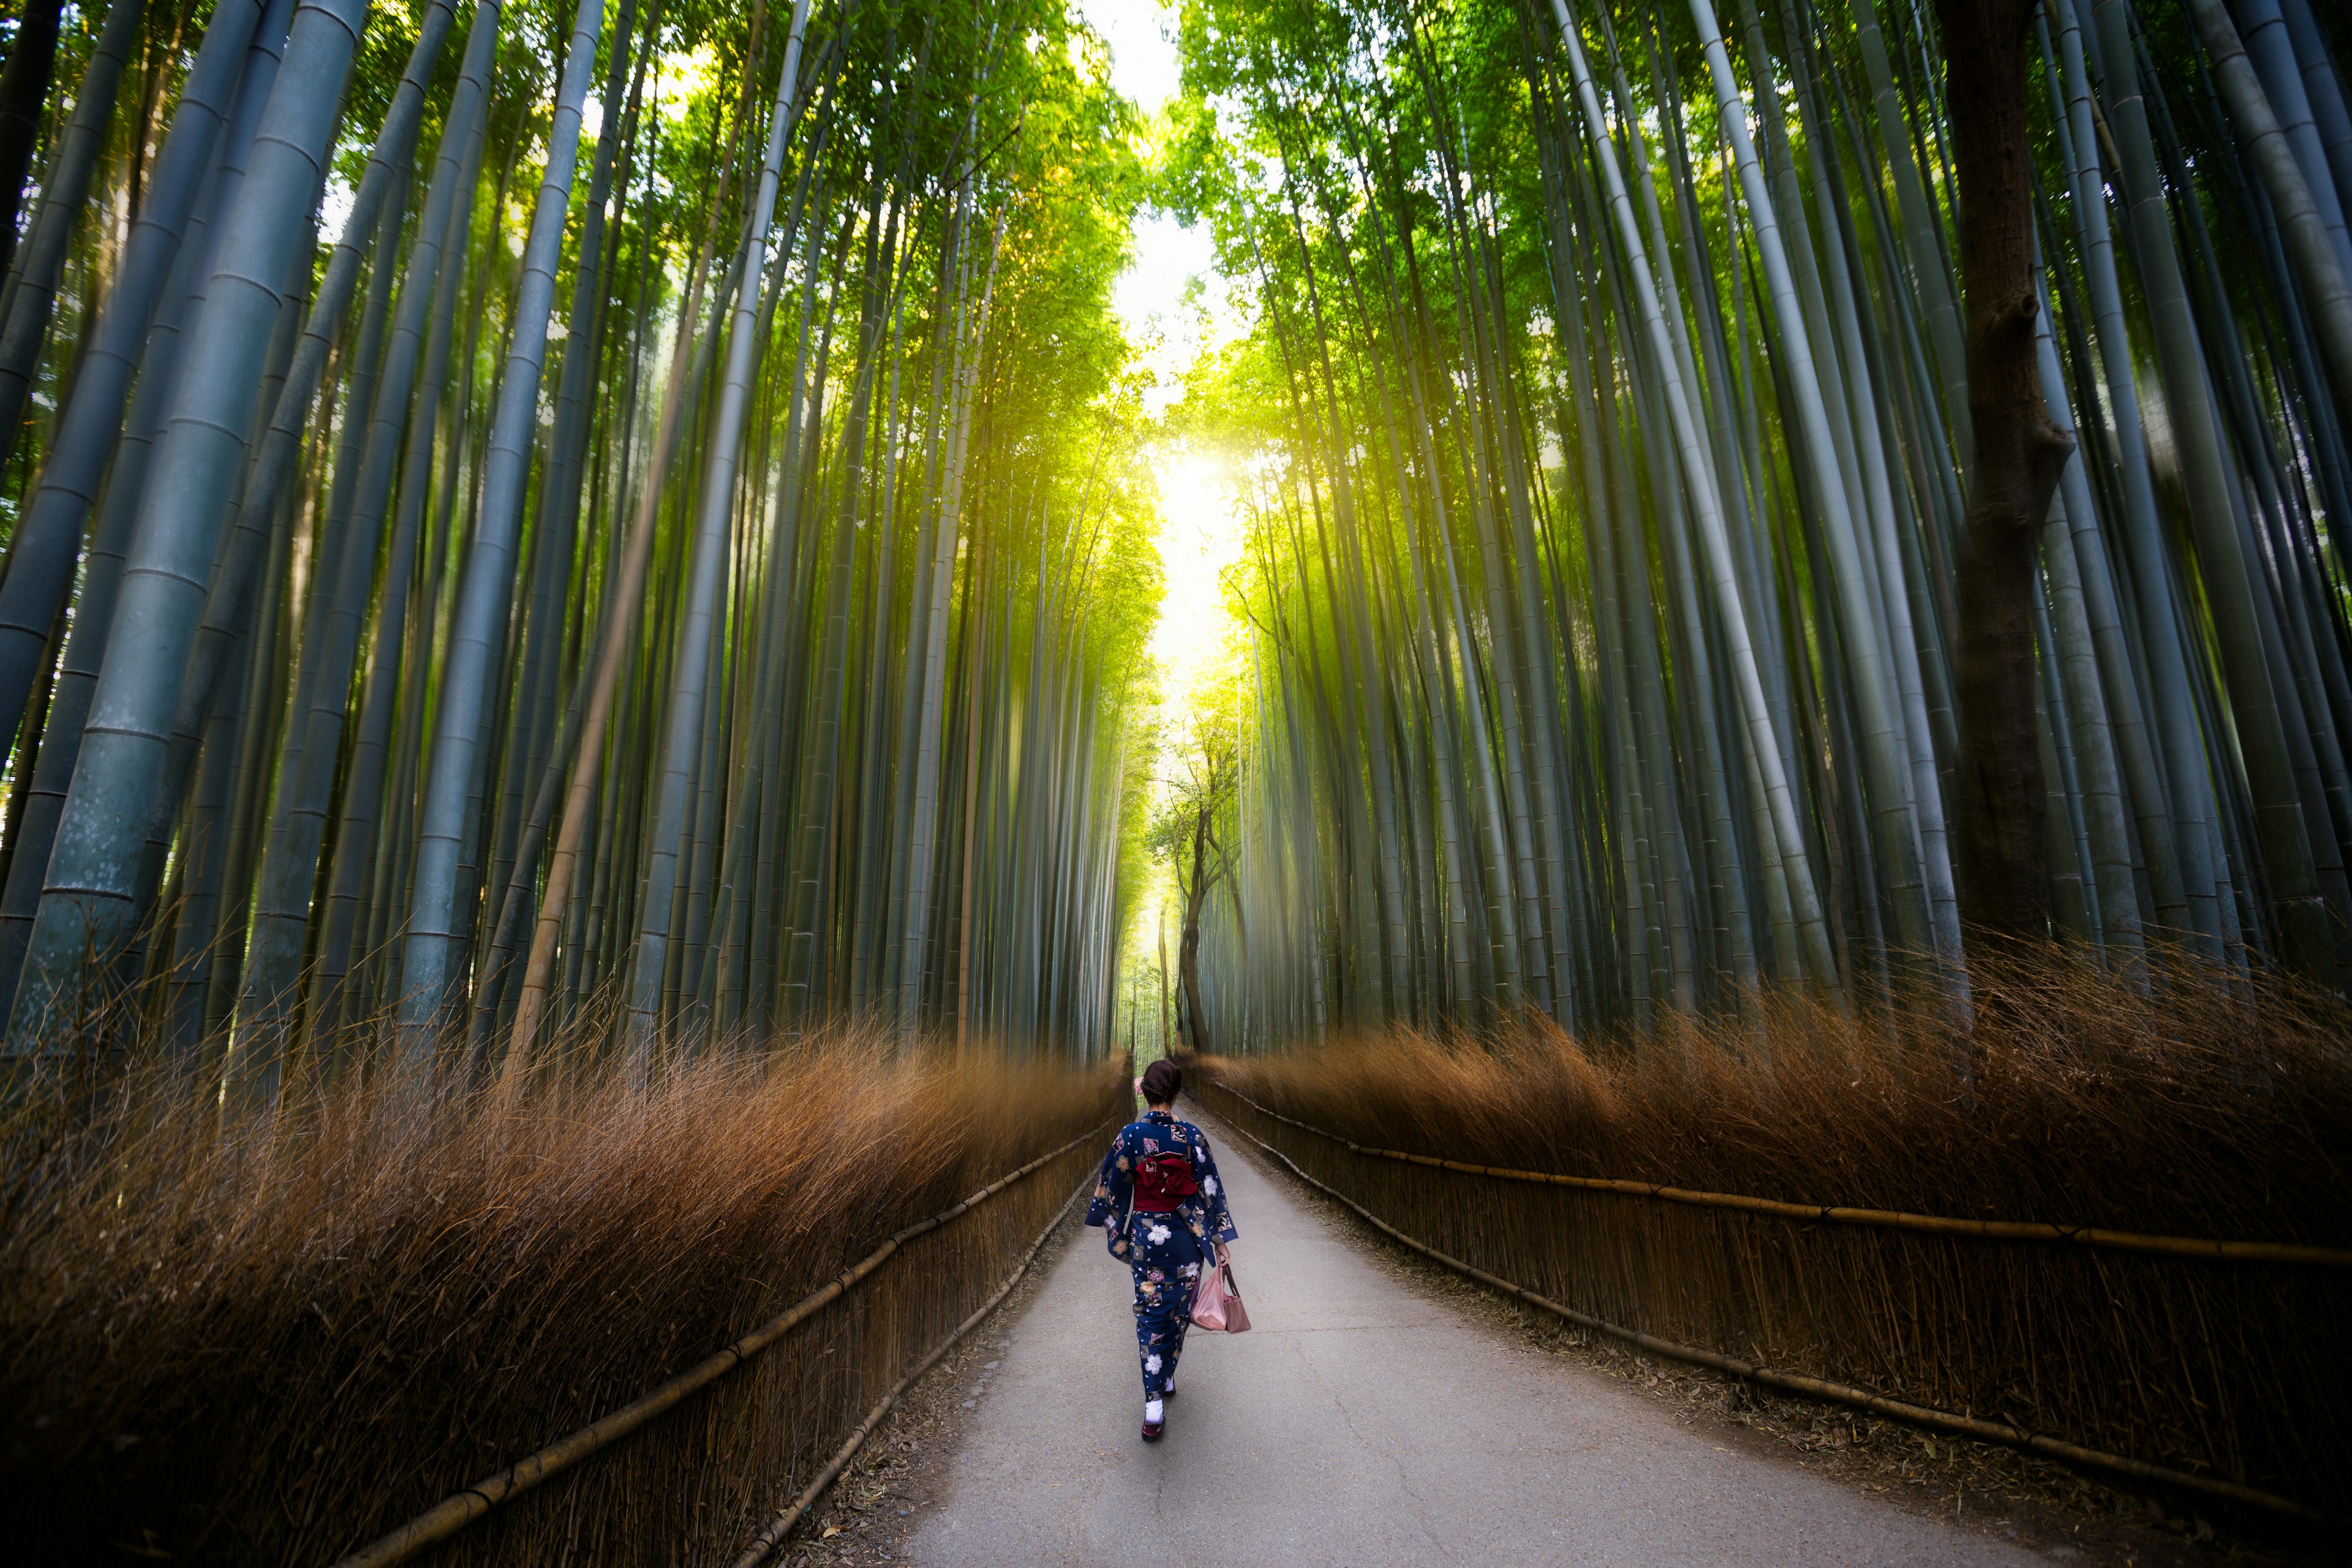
x: 623, y: 522
x: 1604, y: 435
x: 618, y: 516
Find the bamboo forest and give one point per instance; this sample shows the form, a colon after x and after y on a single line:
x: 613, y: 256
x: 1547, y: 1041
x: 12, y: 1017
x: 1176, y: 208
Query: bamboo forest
x: 643, y: 641
x: 650, y: 588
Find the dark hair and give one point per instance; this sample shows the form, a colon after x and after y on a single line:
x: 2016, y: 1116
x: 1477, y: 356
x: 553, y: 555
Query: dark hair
x: 1161, y: 1081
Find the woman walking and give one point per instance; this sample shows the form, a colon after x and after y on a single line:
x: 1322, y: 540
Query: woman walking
x: 1164, y: 1211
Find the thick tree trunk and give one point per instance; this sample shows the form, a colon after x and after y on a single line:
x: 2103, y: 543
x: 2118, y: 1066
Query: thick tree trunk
x: 24, y: 85
x: 1188, y: 947
x: 1167, y: 1011
x: 2020, y: 454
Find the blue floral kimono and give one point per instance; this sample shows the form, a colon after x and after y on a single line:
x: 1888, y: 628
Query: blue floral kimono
x: 1160, y: 1230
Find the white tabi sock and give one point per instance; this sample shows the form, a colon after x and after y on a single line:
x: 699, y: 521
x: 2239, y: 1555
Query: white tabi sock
x: 1152, y: 1411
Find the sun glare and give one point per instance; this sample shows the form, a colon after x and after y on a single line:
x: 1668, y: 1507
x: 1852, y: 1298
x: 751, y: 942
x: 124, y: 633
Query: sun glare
x: 1199, y: 538
x: 680, y: 77
x: 1176, y: 306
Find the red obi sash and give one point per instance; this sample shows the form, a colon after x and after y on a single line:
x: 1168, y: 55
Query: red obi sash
x: 1160, y: 1180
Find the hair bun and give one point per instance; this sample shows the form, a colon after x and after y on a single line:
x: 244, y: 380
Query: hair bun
x: 1162, y: 1080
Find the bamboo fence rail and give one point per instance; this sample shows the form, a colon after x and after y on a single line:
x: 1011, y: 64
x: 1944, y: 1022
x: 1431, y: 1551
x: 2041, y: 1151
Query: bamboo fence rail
x: 1832, y: 1214
x: 773, y: 1534
x: 461, y: 1508
x: 2013, y: 1345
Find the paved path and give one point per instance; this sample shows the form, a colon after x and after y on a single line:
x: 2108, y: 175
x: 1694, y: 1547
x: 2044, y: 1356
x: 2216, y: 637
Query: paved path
x: 1359, y: 1425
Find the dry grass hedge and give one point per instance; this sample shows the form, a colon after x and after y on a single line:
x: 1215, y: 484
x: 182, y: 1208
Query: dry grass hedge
x: 2205, y: 1109
x: 270, y: 1349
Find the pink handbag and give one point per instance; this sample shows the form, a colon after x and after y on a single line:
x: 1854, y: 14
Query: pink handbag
x: 1217, y: 1303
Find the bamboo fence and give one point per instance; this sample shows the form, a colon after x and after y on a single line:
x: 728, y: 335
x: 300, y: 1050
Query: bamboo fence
x: 907, y: 1315
x: 2204, y: 1369
x: 640, y: 1329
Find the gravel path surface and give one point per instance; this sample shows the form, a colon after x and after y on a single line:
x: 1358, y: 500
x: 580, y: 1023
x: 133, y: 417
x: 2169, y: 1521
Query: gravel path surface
x: 1360, y: 1424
